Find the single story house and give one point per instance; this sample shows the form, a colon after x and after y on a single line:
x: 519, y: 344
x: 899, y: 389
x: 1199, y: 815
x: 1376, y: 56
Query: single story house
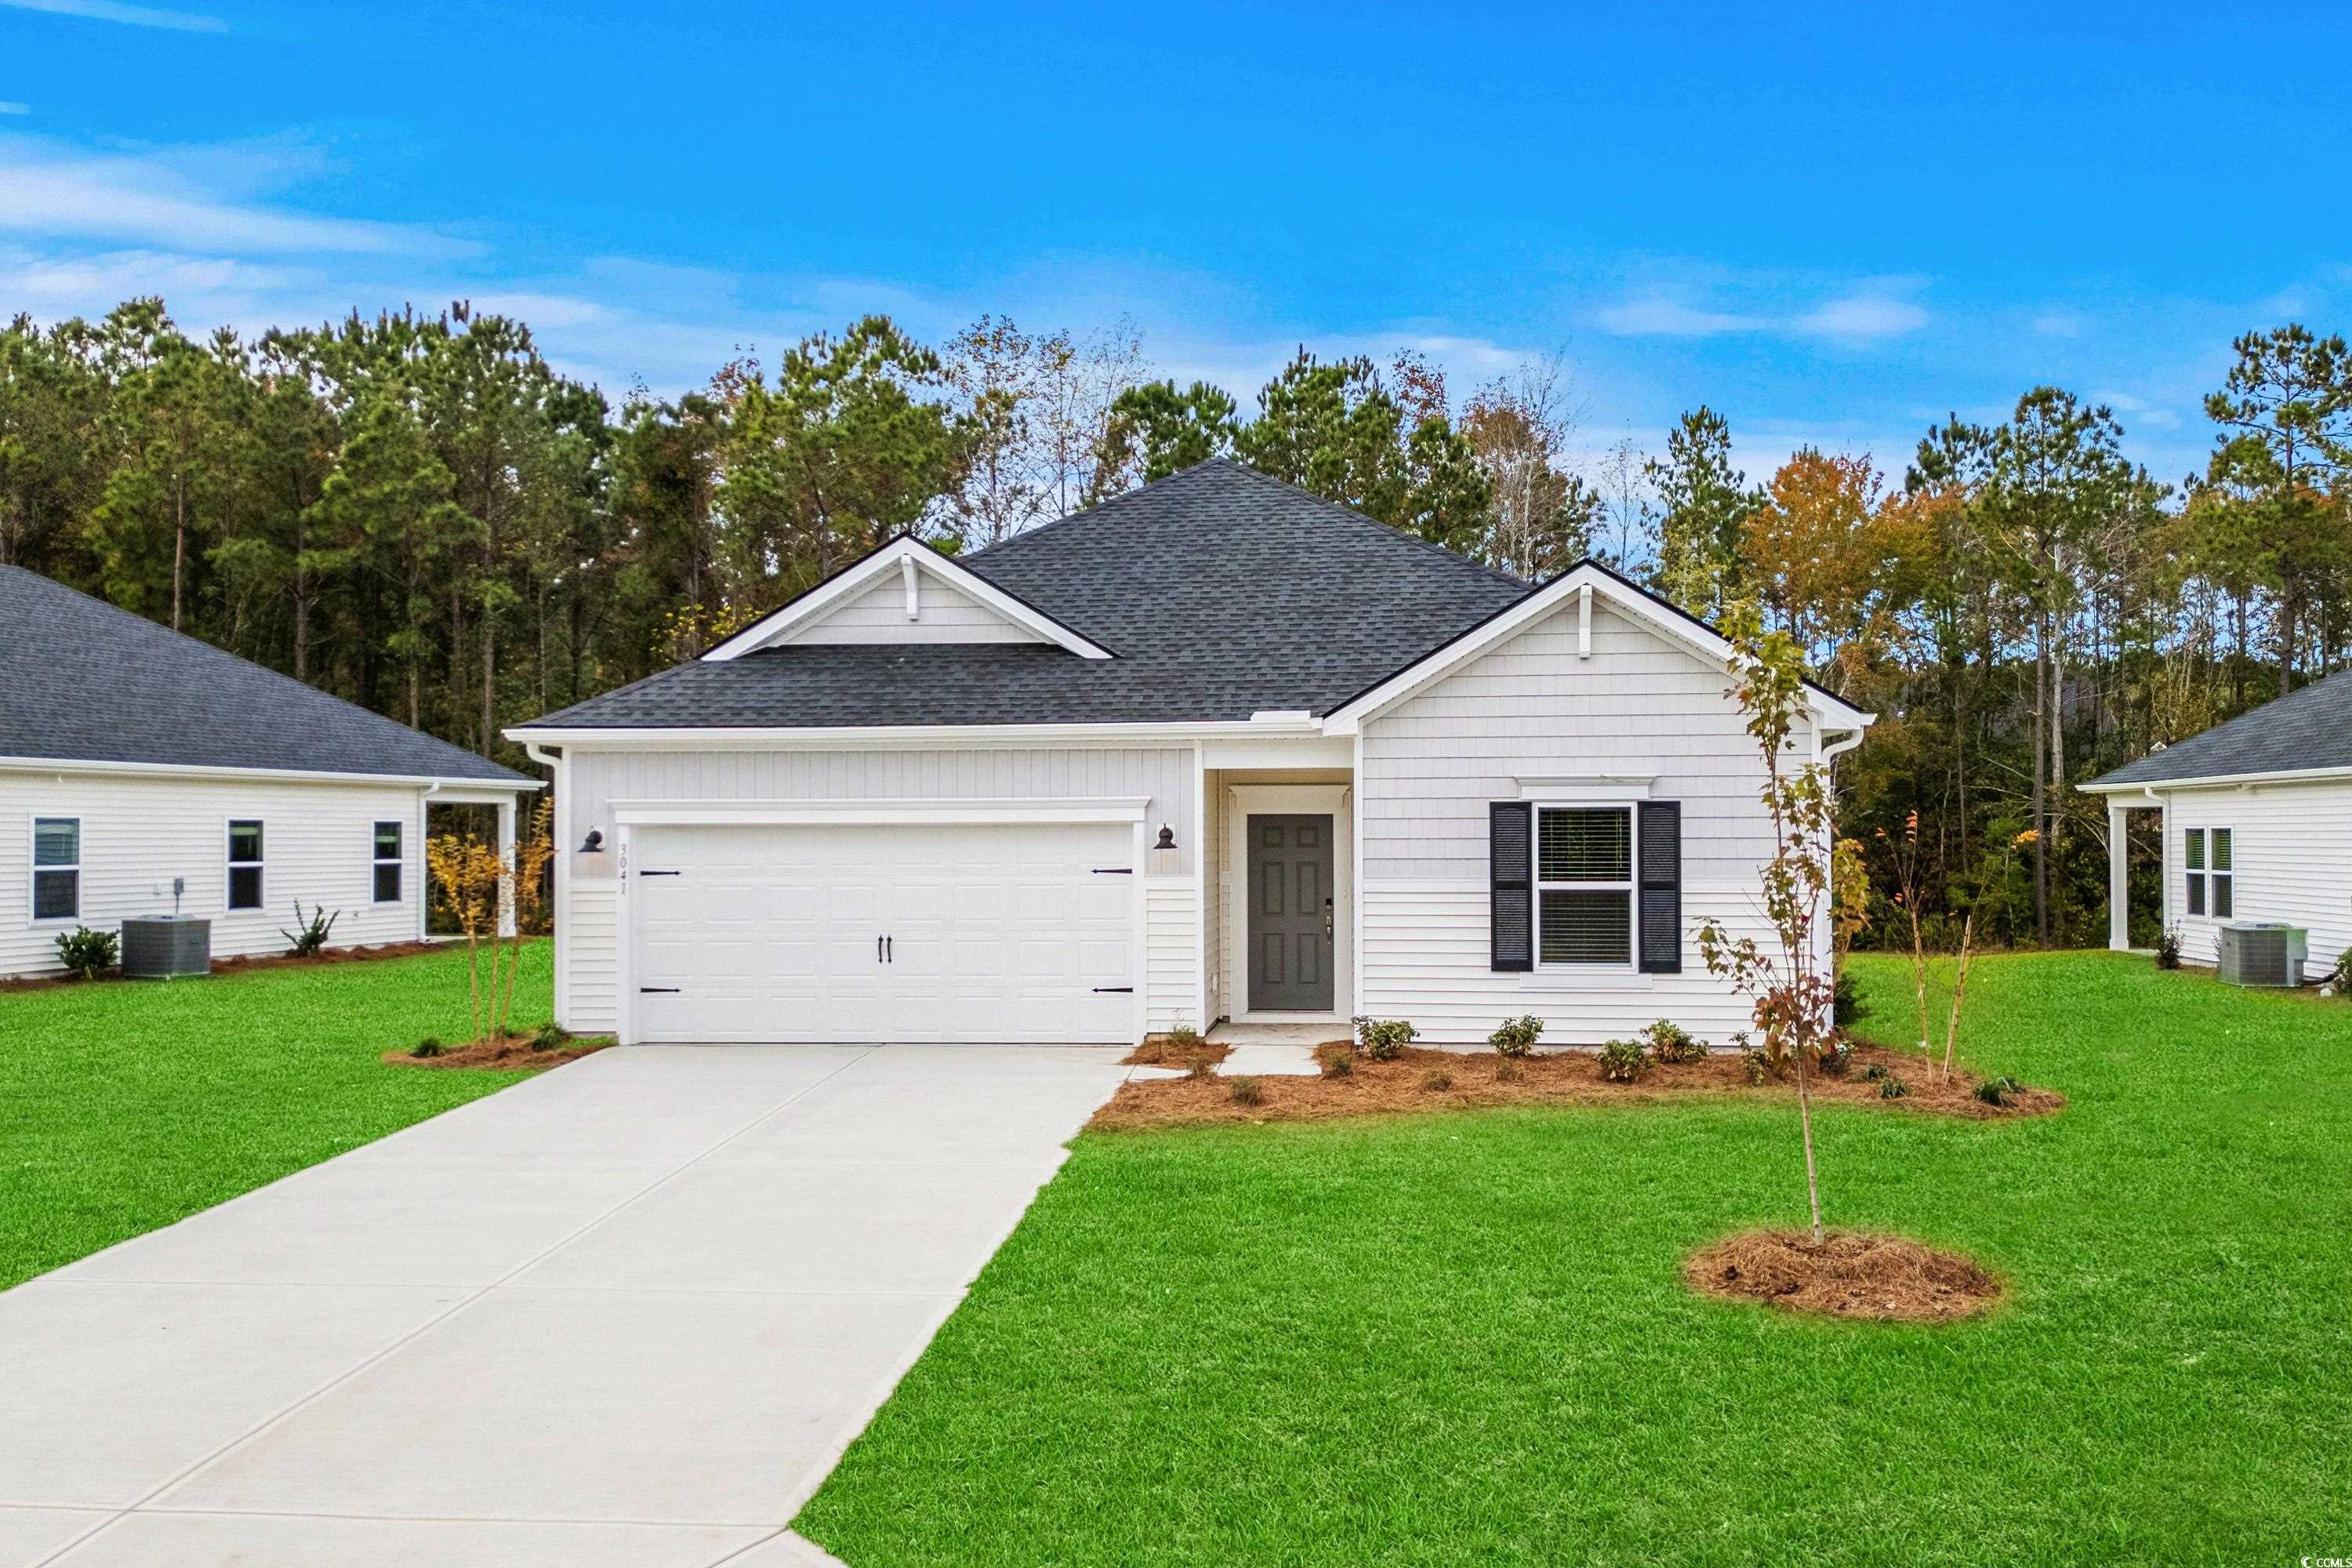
x: 1216, y: 748
x: 2256, y: 824
x: 141, y: 772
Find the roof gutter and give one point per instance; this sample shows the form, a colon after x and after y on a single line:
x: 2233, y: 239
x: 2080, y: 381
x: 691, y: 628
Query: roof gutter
x: 2218, y: 780
x: 290, y: 775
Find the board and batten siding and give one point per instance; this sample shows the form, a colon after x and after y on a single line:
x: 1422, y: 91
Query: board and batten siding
x: 1532, y: 708
x: 138, y: 833
x: 2290, y: 857
x: 878, y: 615
x: 588, y: 951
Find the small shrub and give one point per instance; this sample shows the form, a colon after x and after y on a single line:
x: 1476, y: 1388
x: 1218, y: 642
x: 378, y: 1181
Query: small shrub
x: 1623, y: 1061
x: 1508, y: 1071
x: 1838, y: 1059
x: 1383, y: 1039
x: 428, y: 1046
x: 1184, y: 1036
x: 550, y: 1036
x: 1876, y: 1073
x: 1757, y: 1064
x: 1517, y: 1037
x: 1845, y: 1000
x: 1247, y: 1090
x: 1201, y: 1070
x: 86, y: 952
x: 1997, y: 1090
x: 1437, y: 1081
x: 1668, y: 1041
x: 311, y: 940
x: 2168, y: 953
x: 1892, y: 1088
x: 1339, y: 1064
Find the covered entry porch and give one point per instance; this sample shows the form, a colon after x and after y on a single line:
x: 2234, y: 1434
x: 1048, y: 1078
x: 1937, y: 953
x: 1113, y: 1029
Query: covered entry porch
x: 1278, y: 872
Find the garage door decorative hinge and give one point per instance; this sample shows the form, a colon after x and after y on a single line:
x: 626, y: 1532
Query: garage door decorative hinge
x: 1114, y: 870
x: 1123, y: 989
x: 661, y: 873
x: 658, y: 990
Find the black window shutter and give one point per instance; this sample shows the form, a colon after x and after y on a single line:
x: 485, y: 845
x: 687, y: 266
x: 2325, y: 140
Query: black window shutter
x: 1509, y: 839
x: 1662, y: 887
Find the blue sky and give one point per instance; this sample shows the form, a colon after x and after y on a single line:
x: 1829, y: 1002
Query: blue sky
x: 1834, y: 228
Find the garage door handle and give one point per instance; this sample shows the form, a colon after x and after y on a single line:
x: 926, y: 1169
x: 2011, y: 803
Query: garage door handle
x: 1124, y: 990
x: 877, y: 950
x: 890, y: 949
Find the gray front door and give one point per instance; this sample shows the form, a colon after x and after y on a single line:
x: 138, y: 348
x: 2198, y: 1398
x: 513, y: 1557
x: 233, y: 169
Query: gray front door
x: 1290, y: 914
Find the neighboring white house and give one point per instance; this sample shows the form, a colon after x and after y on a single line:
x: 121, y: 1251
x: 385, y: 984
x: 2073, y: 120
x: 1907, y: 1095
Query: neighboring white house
x: 1214, y: 750
x: 132, y: 757
x: 2255, y: 819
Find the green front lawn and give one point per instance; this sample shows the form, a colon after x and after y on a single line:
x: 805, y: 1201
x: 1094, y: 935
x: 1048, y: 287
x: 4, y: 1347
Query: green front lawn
x: 126, y: 1106
x: 1461, y: 1338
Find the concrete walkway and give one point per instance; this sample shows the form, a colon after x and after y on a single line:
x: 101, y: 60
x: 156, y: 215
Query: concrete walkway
x: 627, y: 1313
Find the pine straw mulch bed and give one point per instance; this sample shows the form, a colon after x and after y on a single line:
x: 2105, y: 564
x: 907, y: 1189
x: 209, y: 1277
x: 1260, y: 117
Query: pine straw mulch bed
x: 1169, y: 1052
x: 1846, y: 1276
x: 247, y: 963
x: 1423, y: 1080
x: 511, y: 1053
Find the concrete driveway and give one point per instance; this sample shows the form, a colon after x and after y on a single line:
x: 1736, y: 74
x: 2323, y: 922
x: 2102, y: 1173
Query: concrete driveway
x: 627, y: 1313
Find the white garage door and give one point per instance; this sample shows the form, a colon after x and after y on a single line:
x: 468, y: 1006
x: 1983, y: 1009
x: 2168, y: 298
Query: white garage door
x: 976, y: 932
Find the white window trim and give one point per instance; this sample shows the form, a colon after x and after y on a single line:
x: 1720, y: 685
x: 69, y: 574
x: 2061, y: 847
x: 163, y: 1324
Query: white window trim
x: 33, y: 869
x: 2207, y: 879
x: 1631, y: 886
x: 398, y: 860
x: 229, y: 867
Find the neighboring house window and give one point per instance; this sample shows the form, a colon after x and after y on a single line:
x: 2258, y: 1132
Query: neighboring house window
x: 2210, y: 878
x: 57, y: 867
x: 1584, y: 885
x: 245, y: 865
x: 388, y: 862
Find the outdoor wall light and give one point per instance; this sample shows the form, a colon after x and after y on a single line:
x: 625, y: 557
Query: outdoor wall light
x: 593, y: 844
x: 1167, y: 837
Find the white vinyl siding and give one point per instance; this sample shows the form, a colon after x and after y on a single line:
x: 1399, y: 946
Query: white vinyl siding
x: 1640, y: 706
x: 1163, y: 775
x: 878, y: 615
x: 2290, y: 858
x: 138, y: 834
x: 1171, y: 906
x: 589, y: 940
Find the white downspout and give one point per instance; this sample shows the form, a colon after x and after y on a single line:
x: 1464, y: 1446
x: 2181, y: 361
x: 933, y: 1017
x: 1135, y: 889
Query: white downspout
x: 562, y: 828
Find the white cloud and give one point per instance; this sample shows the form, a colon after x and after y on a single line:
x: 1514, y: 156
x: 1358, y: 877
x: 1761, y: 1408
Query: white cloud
x: 1854, y: 318
x: 2058, y: 324
x: 1657, y: 318
x: 129, y: 15
x: 8, y: 108
x: 1861, y: 317
x: 2138, y: 412
x: 195, y: 197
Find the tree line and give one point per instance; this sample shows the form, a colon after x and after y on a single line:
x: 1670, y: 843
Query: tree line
x: 420, y: 513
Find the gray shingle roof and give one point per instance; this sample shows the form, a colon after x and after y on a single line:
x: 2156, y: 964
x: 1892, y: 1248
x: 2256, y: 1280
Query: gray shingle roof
x: 2308, y: 728
x: 1221, y: 592
x: 81, y: 681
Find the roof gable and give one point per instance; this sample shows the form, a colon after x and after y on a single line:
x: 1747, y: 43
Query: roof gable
x: 83, y: 681
x: 1574, y: 591
x: 909, y: 567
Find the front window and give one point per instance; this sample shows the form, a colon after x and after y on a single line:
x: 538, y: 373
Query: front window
x: 2207, y: 858
x: 1584, y: 885
x: 388, y: 862
x: 57, y: 867
x: 245, y: 865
